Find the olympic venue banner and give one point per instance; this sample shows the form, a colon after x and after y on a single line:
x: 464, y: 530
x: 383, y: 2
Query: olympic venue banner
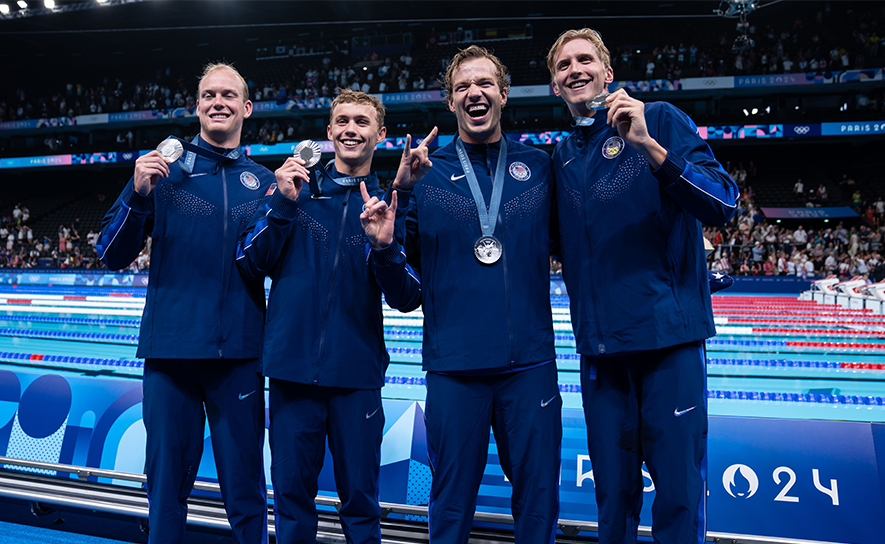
x: 720, y: 132
x: 800, y: 479
x: 516, y: 92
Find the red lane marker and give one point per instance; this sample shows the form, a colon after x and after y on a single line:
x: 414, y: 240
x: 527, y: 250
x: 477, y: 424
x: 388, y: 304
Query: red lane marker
x: 120, y: 295
x: 819, y: 331
x: 18, y: 301
x: 864, y: 366
x: 36, y: 357
x: 73, y: 298
x: 841, y: 345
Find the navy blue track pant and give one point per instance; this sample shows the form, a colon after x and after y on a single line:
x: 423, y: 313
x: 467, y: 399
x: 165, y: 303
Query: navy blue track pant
x: 649, y: 406
x: 178, y: 396
x: 301, y: 417
x: 524, y: 409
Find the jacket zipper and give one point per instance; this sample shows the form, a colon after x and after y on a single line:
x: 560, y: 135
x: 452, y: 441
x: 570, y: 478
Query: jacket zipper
x: 512, y: 362
x: 596, y: 311
x: 328, y: 306
x: 223, y: 262
x: 511, y: 358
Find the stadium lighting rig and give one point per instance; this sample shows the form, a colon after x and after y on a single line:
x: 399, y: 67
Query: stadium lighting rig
x: 739, y: 9
x: 33, y: 8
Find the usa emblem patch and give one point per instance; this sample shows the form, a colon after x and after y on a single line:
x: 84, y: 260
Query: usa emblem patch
x: 613, y: 147
x: 520, y: 171
x: 249, y: 180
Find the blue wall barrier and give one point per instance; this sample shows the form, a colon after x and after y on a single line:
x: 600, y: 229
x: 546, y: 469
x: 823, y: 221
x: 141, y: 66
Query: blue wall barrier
x: 801, y: 479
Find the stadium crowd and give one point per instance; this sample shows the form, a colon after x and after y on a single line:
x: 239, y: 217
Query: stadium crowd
x: 21, y: 248
x: 752, y: 245
x: 835, y: 39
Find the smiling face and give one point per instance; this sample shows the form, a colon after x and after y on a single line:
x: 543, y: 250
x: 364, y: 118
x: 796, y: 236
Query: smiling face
x: 476, y: 100
x: 221, y: 108
x: 579, y: 74
x: 355, y: 133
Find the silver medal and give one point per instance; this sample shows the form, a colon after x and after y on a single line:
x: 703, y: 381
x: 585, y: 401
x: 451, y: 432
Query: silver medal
x: 598, y: 102
x: 487, y: 250
x: 309, y: 151
x: 170, y: 149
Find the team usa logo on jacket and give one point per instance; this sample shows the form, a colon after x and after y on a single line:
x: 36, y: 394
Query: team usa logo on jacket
x: 249, y: 180
x: 520, y: 171
x: 613, y: 147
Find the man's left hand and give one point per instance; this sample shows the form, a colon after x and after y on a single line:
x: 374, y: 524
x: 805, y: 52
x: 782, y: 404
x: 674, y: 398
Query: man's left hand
x: 627, y: 114
x: 378, y: 218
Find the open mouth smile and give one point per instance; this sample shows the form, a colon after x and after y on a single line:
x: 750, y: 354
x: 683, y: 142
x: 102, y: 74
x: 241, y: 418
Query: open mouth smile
x: 477, y: 111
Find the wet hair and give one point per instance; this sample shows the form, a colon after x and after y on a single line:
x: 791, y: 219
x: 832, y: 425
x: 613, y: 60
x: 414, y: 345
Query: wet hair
x: 349, y: 96
x: 588, y: 34
x: 214, y: 67
x: 471, y: 53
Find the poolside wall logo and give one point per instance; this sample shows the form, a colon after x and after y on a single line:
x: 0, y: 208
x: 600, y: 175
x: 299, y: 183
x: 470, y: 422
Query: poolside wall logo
x: 740, y: 481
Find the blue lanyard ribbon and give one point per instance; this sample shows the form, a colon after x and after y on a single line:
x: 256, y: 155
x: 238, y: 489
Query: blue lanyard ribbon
x: 579, y: 121
x: 193, y: 150
x: 488, y: 217
x: 346, y: 181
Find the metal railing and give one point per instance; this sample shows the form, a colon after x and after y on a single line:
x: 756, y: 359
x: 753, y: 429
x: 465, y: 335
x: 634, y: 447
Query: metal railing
x: 131, y: 501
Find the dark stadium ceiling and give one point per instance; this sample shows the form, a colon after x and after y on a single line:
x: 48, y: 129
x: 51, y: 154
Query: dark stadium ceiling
x: 128, y: 23
x: 79, y: 18
x: 129, y: 28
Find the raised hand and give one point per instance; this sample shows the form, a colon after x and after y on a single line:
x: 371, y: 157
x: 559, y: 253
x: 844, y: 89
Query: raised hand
x: 414, y: 163
x: 627, y: 114
x: 148, y: 170
x: 291, y: 177
x: 378, y: 218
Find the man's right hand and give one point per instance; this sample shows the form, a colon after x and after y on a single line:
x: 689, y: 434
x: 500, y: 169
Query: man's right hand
x: 414, y: 163
x: 291, y: 177
x: 148, y: 170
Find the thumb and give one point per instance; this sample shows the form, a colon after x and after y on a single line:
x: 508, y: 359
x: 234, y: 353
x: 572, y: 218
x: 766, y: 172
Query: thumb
x: 407, y: 148
x: 393, y: 200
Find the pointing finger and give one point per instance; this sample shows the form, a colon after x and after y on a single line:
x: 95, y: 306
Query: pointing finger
x: 429, y: 137
x: 393, y: 200
x: 364, y: 192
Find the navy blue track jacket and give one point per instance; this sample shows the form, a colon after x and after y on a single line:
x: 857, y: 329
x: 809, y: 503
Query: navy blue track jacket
x: 324, y: 320
x: 632, y: 249
x: 483, y: 318
x: 198, y: 305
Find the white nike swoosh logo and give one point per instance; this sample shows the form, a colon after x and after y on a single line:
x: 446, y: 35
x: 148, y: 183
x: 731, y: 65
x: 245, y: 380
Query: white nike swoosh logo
x: 456, y: 178
x: 243, y: 397
x: 568, y: 161
x: 679, y: 413
x: 544, y: 403
x: 369, y: 416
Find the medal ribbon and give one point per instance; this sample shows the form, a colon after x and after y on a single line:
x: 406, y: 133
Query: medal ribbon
x: 347, y: 181
x: 193, y: 150
x: 488, y: 217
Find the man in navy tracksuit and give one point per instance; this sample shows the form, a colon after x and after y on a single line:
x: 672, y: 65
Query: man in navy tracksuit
x: 324, y: 343
x: 488, y: 331
x: 633, y: 183
x: 202, y: 324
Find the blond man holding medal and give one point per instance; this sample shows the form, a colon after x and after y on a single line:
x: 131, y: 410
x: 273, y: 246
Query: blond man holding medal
x: 203, y: 321
x: 321, y: 237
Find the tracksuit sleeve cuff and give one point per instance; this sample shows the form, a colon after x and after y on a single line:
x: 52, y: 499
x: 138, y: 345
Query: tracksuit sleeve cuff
x: 402, y: 198
x: 670, y: 172
x: 390, y: 255
x: 138, y: 202
x: 283, y: 206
